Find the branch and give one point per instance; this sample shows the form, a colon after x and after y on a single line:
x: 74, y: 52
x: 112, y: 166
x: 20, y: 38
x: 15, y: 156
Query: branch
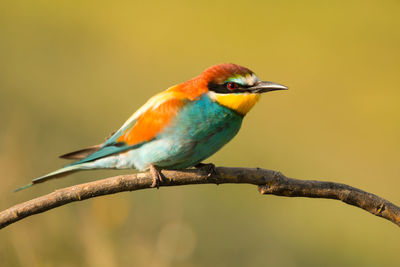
x: 269, y: 183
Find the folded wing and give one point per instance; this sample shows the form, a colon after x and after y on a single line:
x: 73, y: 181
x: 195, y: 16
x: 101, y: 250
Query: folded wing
x: 142, y: 127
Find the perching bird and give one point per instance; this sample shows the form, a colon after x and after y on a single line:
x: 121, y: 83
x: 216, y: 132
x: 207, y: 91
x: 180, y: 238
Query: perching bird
x: 177, y: 128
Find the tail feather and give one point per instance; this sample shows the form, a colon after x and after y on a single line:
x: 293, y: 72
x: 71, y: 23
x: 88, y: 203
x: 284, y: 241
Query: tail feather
x: 85, y: 152
x: 56, y: 174
x: 23, y: 187
x: 82, y: 153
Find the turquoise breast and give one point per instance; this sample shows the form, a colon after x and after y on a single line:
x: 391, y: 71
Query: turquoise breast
x: 200, y: 129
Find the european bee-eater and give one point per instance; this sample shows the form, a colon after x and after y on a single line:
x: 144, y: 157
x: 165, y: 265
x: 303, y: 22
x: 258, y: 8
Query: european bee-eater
x: 177, y: 128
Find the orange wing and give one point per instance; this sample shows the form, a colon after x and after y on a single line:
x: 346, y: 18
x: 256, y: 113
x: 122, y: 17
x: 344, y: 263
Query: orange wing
x: 157, y: 113
x: 146, y: 123
x: 152, y: 121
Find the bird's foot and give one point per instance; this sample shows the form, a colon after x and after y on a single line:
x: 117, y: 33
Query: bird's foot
x: 211, y: 171
x: 157, y: 176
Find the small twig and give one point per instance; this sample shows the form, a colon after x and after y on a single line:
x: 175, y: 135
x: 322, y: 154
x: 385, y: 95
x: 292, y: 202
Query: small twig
x: 269, y: 182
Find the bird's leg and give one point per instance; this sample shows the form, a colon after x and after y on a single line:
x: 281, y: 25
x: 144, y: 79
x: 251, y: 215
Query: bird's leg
x: 156, y: 175
x: 210, y: 169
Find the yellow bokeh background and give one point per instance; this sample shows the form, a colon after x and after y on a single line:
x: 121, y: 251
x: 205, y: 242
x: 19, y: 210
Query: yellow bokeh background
x: 72, y: 71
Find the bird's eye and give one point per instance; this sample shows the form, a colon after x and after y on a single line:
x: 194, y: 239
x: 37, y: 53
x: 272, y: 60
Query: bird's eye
x: 232, y: 86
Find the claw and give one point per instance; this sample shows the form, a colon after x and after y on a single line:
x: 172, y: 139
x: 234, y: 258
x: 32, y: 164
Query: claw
x: 157, y: 176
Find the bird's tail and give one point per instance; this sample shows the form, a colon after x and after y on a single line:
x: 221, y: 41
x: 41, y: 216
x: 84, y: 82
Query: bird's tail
x: 56, y: 174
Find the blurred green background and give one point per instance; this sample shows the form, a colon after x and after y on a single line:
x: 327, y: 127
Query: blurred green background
x: 71, y: 72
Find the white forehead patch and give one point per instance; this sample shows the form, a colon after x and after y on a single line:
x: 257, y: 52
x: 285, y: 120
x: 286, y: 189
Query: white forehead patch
x: 247, y: 79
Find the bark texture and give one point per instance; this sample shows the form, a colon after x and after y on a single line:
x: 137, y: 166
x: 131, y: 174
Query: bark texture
x: 269, y: 183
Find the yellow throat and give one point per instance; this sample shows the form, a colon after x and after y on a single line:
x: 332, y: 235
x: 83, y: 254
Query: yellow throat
x: 241, y: 103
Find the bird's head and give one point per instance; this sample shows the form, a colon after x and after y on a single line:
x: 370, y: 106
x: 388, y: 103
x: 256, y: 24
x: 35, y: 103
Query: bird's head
x: 236, y: 87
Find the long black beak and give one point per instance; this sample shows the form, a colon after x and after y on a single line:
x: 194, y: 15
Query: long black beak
x: 262, y: 87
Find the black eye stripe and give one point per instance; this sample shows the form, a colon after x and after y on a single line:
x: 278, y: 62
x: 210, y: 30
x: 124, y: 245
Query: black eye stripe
x: 223, y: 88
x: 219, y: 88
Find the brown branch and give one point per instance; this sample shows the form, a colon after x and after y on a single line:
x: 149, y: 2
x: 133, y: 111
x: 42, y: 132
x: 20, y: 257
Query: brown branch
x: 269, y: 182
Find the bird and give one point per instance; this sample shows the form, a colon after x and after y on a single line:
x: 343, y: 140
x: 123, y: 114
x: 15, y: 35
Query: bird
x: 177, y: 128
